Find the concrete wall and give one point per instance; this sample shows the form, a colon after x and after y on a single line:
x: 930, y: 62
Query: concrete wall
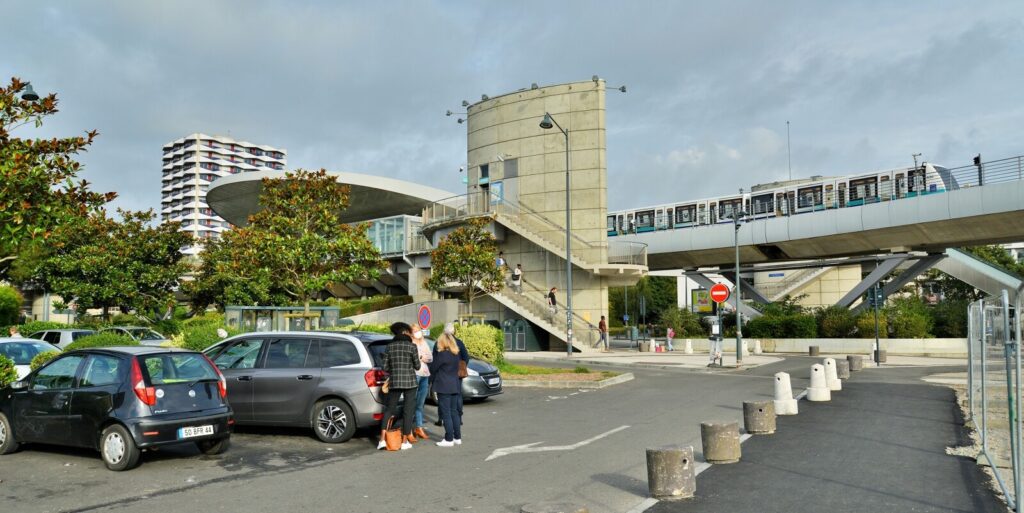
x: 828, y: 288
x: 942, y: 347
x: 441, y: 311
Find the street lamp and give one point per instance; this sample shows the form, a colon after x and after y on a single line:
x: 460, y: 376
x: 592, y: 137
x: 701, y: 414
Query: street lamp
x: 28, y: 94
x: 548, y: 123
x: 737, y: 218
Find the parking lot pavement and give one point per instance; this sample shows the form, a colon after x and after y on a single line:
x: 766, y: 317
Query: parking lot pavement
x: 577, y: 447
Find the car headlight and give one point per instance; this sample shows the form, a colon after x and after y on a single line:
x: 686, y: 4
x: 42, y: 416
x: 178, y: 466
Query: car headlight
x: 472, y: 372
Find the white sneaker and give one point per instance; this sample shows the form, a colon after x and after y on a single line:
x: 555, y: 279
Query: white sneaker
x: 458, y: 441
x: 382, y: 445
x: 446, y: 443
x: 406, y: 445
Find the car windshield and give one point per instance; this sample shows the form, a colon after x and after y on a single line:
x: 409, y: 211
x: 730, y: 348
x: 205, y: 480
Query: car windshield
x: 23, y: 352
x: 168, y: 368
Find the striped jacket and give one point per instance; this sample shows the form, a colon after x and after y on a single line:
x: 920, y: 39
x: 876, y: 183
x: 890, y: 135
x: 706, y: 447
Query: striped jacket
x: 401, y: 361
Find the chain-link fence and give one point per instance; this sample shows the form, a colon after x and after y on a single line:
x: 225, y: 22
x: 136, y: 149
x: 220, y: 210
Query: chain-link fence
x: 994, y: 388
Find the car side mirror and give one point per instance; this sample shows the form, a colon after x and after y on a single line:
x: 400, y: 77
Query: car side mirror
x: 19, y: 385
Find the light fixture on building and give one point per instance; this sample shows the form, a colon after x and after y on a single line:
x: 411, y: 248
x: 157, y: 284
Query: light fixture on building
x: 595, y: 78
x: 534, y: 86
x: 465, y: 103
x: 484, y: 97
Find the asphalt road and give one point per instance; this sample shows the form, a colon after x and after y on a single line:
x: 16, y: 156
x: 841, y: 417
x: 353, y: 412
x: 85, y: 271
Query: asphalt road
x: 274, y: 470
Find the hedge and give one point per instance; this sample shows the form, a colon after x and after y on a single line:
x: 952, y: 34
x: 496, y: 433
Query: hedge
x: 8, y: 373
x: 782, y: 326
x: 483, y: 341
x: 101, y: 340
x: 866, y: 326
x: 31, y: 327
x: 10, y: 305
x: 40, y: 359
x: 200, y: 336
x: 835, y: 322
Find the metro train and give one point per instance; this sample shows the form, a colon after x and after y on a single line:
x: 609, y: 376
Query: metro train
x: 818, y: 193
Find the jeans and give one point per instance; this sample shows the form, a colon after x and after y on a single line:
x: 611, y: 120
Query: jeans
x: 408, y: 409
x: 603, y: 339
x: 421, y: 397
x: 448, y: 404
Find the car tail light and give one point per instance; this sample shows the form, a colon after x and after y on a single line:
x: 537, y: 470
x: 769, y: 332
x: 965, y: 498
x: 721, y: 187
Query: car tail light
x: 146, y: 394
x: 374, y: 377
x: 222, y: 384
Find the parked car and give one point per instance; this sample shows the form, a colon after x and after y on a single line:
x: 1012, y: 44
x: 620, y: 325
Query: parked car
x: 142, y: 335
x: 120, y: 401
x: 61, y: 338
x: 324, y: 381
x: 22, y: 351
x: 484, y: 379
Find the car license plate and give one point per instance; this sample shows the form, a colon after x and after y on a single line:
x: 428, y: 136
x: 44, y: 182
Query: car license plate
x: 193, y: 431
x: 493, y: 381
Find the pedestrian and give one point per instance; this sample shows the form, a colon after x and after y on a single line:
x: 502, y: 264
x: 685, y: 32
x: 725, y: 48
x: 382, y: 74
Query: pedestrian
x: 449, y: 329
x: 447, y: 386
x: 500, y: 261
x: 602, y: 328
x: 400, y: 362
x: 14, y: 331
x: 669, y: 335
x: 422, y: 378
x: 517, y: 279
x: 552, y: 303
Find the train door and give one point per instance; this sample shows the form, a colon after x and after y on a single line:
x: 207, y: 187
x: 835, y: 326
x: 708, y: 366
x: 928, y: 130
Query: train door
x: 612, y: 230
x: 630, y: 223
x: 901, y: 186
x: 702, y: 212
x: 659, y: 219
x: 885, y: 188
x: 842, y: 194
x: 780, y: 204
x: 830, y: 196
x: 712, y: 212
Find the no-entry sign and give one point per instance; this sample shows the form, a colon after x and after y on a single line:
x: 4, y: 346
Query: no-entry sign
x: 719, y: 293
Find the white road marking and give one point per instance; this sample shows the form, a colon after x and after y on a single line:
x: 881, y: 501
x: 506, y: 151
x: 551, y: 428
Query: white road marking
x: 518, y: 449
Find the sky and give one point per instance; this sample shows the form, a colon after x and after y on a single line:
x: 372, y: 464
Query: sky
x: 363, y: 86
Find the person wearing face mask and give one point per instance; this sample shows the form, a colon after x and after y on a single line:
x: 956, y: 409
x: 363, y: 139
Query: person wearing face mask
x: 422, y: 378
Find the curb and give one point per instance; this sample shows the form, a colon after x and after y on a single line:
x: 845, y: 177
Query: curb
x: 593, y: 385
x: 635, y: 364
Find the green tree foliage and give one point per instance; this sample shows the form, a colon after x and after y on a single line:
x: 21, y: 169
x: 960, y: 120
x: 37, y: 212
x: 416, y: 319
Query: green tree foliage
x: 866, y: 325
x: 10, y: 305
x: 483, y: 341
x: 908, y: 317
x: 685, y: 323
x: 39, y: 185
x: 659, y: 292
x: 298, y: 245
x: 466, y: 257
x: 101, y: 340
x: 198, y: 337
x: 40, y: 359
x: 949, y: 318
x: 104, y: 263
x: 8, y: 372
x: 785, y: 318
x: 835, y: 322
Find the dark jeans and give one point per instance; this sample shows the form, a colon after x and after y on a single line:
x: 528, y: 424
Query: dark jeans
x: 408, y: 409
x: 448, y: 405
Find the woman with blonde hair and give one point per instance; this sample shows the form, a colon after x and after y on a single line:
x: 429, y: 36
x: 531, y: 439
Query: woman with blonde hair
x: 445, y: 369
x: 422, y: 379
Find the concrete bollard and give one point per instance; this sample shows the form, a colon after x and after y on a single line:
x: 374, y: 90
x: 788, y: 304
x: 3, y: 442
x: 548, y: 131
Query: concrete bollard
x: 721, y: 442
x: 759, y: 417
x: 880, y: 355
x: 843, y: 369
x: 743, y: 347
x: 832, y: 380
x: 670, y: 472
x: 553, y: 507
x: 757, y: 346
x: 856, y: 362
x: 818, y: 391
x: 688, y: 348
x: 813, y: 351
x: 784, y: 402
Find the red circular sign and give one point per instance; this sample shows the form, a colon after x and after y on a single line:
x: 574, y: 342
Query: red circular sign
x: 719, y: 293
x: 423, y: 316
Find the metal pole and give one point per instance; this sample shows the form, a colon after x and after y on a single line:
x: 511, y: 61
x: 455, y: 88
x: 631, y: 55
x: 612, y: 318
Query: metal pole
x: 739, y: 295
x: 984, y: 386
x: 789, y: 156
x: 878, y: 346
x: 1008, y: 350
x: 1017, y: 334
x: 568, y: 252
x: 970, y: 363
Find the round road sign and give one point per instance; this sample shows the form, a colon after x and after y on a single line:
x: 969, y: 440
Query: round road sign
x: 423, y: 316
x: 719, y: 293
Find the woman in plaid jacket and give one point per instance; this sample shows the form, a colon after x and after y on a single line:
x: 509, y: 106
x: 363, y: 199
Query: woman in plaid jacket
x: 401, y: 361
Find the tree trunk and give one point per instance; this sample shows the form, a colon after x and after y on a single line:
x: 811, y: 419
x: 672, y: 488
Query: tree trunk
x: 106, y: 314
x: 305, y: 313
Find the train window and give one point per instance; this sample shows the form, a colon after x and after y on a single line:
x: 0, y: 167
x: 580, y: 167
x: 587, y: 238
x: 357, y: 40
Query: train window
x: 808, y: 197
x: 917, y: 180
x: 685, y: 215
x: 842, y: 195
x: 885, y: 188
x: 728, y: 207
x: 830, y: 197
x: 762, y: 204
x: 863, y: 188
x: 611, y: 223
x: 644, y: 220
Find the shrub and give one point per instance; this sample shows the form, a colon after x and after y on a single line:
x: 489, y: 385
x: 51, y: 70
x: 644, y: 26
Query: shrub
x: 782, y: 326
x: 436, y: 331
x: 10, y: 305
x: 214, y: 318
x: 482, y: 341
x: 908, y: 317
x: 123, y: 319
x: 581, y: 370
x: 949, y: 318
x: 202, y: 335
x: 375, y: 328
x: 8, y: 373
x: 866, y: 325
x: 101, y: 340
x: 167, y: 327
x: 40, y: 359
x: 31, y: 327
x: 685, y: 323
x: 835, y: 322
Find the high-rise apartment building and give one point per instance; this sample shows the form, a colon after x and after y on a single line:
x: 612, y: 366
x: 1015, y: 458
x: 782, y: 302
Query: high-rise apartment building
x: 191, y: 163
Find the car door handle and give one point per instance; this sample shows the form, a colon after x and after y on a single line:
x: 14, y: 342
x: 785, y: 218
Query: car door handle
x: 305, y: 377
x: 243, y: 378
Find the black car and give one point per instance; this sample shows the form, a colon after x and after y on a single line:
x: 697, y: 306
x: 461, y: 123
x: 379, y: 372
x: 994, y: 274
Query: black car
x: 120, y: 401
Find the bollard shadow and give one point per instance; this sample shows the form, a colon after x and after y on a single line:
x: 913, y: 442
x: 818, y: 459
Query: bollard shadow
x: 623, y: 482
x: 729, y: 407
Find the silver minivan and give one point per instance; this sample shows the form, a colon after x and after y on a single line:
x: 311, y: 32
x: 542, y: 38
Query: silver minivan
x: 61, y: 338
x: 325, y: 381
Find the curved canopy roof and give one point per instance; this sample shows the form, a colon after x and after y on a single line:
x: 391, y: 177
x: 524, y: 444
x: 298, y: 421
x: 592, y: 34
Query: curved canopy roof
x: 236, y: 197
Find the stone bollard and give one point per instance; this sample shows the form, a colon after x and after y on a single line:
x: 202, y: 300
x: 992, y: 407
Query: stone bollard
x: 757, y: 346
x: 832, y: 380
x: 856, y: 362
x: 721, y: 442
x: 553, y: 507
x: 688, y: 348
x: 743, y: 347
x: 843, y: 369
x: 880, y: 355
x: 813, y: 351
x: 759, y: 417
x: 784, y: 402
x: 670, y: 472
x: 818, y: 391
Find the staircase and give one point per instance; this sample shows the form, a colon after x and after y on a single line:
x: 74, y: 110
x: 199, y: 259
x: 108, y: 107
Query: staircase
x: 532, y: 306
x: 782, y: 288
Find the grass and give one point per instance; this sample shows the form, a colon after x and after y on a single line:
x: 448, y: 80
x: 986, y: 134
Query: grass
x: 533, y: 370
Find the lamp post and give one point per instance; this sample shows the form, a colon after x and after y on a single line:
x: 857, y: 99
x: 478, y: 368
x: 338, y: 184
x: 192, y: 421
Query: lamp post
x: 547, y: 123
x: 737, y: 218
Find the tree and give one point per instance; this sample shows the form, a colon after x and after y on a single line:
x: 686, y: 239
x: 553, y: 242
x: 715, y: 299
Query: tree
x: 659, y: 292
x: 297, y: 245
x: 39, y: 188
x: 467, y: 257
x: 10, y: 306
x: 103, y: 263
x: 221, y: 279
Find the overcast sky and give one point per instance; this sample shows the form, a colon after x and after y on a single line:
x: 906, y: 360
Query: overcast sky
x: 356, y: 87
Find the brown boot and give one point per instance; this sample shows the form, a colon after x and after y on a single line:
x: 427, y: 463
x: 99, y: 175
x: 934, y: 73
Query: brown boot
x: 421, y: 433
x: 411, y: 439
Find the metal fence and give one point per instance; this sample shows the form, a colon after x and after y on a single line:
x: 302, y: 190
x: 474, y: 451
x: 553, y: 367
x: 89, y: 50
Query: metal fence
x: 994, y: 388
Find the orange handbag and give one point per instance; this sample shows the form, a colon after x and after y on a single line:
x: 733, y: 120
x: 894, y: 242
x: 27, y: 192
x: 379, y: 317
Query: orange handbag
x: 392, y: 436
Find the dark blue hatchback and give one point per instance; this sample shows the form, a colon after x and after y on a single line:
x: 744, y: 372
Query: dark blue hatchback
x: 120, y: 401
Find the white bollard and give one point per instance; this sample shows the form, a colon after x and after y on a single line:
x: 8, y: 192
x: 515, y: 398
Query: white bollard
x: 688, y: 349
x: 757, y: 348
x: 743, y: 347
x: 784, y: 402
x: 818, y: 391
x: 832, y: 380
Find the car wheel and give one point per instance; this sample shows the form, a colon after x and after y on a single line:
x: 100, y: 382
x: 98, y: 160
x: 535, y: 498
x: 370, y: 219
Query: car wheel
x: 333, y: 421
x: 7, y: 442
x: 118, y: 449
x: 214, y: 447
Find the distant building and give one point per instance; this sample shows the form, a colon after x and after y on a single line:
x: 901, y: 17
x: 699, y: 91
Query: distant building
x: 191, y: 163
